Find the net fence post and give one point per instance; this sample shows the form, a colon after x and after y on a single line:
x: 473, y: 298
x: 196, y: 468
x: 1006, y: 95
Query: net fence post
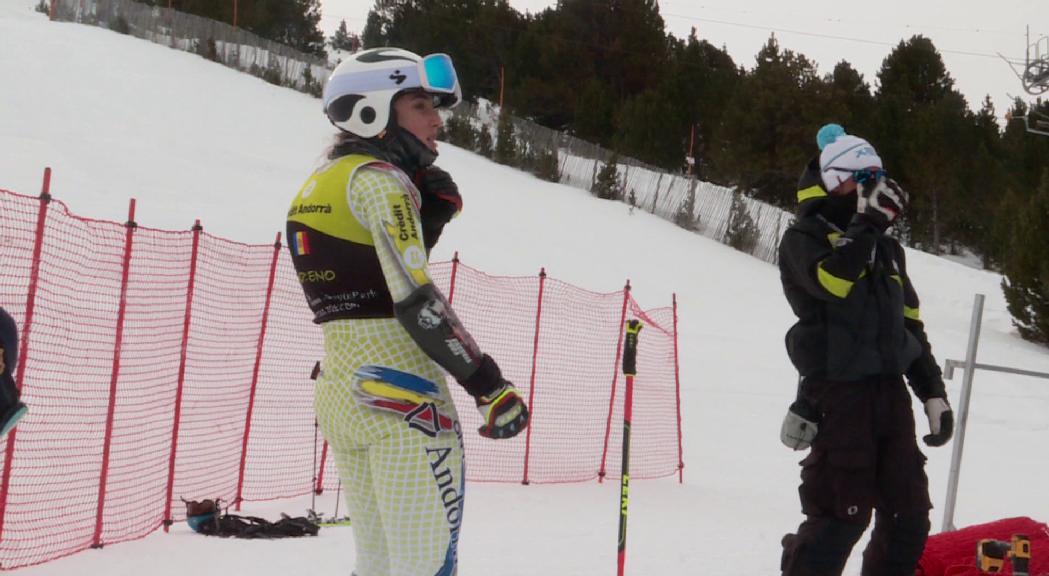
x: 118, y: 342
x: 615, y: 377
x: 23, y: 345
x: 320, y: 475
x: 677, y: 399
x: 963, y: 414
x: 177, y: 418
x: 531, y: 386
x: 255, y: 371
x: 455, y: 271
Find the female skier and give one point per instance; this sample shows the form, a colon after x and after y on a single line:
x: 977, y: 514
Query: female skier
x: 359, y: 232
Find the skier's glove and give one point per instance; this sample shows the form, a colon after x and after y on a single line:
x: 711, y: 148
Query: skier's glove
x: 440, y: 202
x: 503, y: 412
x: 880, y: 202
x: 941, y: 422
x: 799, y: 426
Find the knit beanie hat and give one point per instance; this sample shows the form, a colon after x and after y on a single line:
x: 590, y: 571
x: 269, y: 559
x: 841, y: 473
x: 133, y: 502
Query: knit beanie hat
x: 844, y: 154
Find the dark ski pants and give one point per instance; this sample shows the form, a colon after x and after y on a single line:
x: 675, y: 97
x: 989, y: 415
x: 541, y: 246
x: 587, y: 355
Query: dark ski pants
x: 865, y: 458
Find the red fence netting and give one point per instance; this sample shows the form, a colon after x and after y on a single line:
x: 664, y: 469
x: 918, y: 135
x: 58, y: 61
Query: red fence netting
x: 165, y: 364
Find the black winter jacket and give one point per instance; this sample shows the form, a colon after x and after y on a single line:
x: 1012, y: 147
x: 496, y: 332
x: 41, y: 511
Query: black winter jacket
x: 847, y: 284
x: 9, y: 342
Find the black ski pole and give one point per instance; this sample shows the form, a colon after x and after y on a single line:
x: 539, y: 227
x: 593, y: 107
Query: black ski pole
x: 313, y: 489
x: 633, y: 328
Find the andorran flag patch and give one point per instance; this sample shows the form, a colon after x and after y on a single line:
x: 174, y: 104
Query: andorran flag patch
x: 300, y: 244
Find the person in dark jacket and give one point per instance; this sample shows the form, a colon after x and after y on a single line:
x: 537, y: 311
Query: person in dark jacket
x: 859, y: 332
x: 11, y: 408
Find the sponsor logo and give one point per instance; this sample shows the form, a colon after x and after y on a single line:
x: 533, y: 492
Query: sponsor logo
x: 426, y: 419
x: 398, y: 77
x: 431, y: 315
x: 414, y: 257
x: 316, y: 276
x: 405, y: 219
x: 450, y: 493
x: 457, y: 349
x: 309, y: 209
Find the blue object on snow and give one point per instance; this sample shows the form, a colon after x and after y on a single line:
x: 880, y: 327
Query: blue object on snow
x: 828, y: 133
x: 197, y: 522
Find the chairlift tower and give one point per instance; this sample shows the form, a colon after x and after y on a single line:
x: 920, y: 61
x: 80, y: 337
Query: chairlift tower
x: 1035, y: 80
x: 1036, y: 66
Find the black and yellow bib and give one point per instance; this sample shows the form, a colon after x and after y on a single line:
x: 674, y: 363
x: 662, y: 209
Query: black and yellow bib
x: 332, y: 250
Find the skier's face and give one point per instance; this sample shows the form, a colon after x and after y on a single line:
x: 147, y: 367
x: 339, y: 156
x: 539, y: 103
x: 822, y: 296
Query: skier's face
x: 416, y: 113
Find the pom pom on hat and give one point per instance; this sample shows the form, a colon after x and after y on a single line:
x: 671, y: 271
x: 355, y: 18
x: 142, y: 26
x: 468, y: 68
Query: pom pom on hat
x: 828, y: 133
x: 842, y: 156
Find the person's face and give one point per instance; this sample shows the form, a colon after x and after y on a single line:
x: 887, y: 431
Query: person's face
x: 849, y: 185
x: 416, y: 114
x: 845, y: 188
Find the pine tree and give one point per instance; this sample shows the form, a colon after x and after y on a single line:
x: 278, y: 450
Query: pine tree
x: 343, y: 40
x: 607, y: 185
x: 547, y: 166
x: 742, y: 232
x: 484, y: 142
x: 505, y: 144
x: 925, y: 137
x: 1026, y: 283
x: 769, y: 129
x: 459, y: 131
x: 684, y: 217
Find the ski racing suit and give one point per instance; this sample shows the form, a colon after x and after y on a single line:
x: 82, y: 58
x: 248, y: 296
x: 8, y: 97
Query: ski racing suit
x: 381, y: 399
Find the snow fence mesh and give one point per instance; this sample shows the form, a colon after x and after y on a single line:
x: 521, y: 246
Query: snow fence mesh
x: 207, y: 393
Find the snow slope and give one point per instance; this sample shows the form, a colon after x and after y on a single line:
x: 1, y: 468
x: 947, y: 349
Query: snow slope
x: 117, y: 117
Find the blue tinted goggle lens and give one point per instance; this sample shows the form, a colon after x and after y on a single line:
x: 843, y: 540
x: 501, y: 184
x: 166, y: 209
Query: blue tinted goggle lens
x: 861, y: 176
x: 439, y: 72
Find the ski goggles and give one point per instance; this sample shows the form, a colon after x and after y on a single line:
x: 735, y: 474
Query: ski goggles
x: 861, y: 176
x: 434, y: 74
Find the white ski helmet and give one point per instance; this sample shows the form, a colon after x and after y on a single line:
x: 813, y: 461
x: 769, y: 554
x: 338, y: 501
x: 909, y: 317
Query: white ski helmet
x: 359, y: 94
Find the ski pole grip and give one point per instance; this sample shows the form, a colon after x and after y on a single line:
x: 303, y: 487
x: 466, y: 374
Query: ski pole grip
x: 633, y: 328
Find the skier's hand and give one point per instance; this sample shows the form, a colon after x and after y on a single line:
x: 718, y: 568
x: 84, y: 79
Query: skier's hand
x: 799, y: 426
x: 941, y: 422
x: 504, y: 413
x: 440, y: 202
x: 880, y: 201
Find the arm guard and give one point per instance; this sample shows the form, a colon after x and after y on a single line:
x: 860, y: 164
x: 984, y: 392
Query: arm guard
x: 431, y: 323
x: 386, y: 203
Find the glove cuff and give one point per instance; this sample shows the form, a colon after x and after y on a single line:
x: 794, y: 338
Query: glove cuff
x: 802, y: 408
x: 485, y: 380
